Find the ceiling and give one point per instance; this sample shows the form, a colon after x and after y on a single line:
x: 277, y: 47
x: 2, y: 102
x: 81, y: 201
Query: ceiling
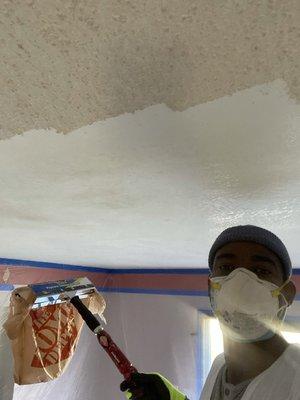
x: 68, y: 63
x: 134, y: 132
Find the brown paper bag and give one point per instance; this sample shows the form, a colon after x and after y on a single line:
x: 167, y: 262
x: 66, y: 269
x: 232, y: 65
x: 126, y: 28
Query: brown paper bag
x: 44, y: 340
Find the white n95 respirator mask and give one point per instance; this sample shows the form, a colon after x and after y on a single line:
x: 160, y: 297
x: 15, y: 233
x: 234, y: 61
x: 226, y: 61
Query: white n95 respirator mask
x: 248, y: 308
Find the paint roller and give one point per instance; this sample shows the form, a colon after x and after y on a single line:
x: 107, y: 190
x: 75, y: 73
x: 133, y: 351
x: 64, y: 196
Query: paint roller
x: 74, y: 290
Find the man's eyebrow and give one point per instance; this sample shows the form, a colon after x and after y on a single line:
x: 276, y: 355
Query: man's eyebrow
x: 229, y: 256
x: 258, y: 257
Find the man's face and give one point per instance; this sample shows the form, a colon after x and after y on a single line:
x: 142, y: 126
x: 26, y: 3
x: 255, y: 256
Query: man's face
x: 252, y: 256
x: 257, y: 259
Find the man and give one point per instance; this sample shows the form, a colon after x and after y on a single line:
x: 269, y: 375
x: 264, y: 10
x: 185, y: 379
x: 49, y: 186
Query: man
x: 250, y: 290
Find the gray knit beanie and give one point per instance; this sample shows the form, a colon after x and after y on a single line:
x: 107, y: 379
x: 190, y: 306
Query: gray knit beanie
x: 252, y: 233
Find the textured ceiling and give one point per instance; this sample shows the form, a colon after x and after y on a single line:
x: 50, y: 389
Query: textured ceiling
x: 65, y: 64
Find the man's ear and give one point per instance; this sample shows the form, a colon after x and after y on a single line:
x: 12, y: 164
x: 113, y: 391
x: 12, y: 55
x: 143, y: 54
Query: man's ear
x: 289, y: 292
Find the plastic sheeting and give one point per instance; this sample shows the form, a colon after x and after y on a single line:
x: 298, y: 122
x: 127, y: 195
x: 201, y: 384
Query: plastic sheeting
x: 157, y: 333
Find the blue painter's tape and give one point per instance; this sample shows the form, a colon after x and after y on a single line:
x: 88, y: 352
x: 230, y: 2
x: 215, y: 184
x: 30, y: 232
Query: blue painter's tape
x: 40, y: 264
x: 6, y: 288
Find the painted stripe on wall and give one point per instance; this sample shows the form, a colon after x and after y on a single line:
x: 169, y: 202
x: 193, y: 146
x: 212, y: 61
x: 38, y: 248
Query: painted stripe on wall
x: 188, y: 282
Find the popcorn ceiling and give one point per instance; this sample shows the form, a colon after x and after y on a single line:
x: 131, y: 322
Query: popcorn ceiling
x: 66, y: 64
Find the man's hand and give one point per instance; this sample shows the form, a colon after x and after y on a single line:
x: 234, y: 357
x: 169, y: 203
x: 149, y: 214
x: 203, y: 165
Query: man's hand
x: 150, y: 387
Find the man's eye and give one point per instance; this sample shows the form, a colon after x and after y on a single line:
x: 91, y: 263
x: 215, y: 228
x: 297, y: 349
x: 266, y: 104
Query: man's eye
x: 226, y: 268
x: 261, y: 271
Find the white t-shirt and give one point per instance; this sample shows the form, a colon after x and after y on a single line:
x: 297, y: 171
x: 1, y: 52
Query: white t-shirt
x: 281, y: 381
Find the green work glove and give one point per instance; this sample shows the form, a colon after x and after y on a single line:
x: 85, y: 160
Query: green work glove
x: 150, y: 387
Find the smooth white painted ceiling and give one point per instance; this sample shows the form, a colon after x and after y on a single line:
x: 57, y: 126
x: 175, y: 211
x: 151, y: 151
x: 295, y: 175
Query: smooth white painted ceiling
x: 155, y: 187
